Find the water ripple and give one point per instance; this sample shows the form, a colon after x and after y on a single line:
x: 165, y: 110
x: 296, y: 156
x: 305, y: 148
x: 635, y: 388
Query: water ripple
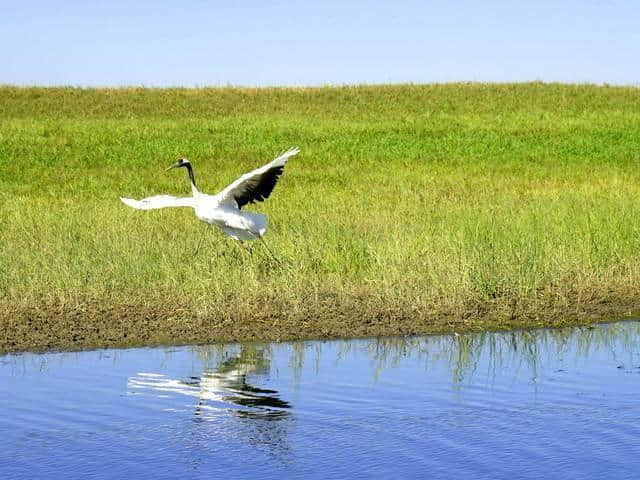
x: 536, y: 404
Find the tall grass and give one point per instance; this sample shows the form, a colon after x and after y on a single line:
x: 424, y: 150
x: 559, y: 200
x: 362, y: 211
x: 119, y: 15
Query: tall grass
x: 471, y: 201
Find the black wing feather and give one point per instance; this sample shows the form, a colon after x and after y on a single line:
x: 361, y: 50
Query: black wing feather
x: 258, y: 189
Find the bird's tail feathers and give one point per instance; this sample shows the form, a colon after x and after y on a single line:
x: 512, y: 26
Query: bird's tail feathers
x: 258, y: 222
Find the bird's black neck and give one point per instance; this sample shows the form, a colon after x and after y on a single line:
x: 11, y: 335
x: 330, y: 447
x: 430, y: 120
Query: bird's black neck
x: 191, y: 176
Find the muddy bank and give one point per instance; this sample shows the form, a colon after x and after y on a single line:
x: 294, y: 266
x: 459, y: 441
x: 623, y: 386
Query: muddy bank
x: 97, y: 323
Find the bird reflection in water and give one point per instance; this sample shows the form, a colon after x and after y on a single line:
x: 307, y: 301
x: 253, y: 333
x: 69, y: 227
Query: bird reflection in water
x: 228, y: 403
x: 226, y: 387
x: 230, y: 378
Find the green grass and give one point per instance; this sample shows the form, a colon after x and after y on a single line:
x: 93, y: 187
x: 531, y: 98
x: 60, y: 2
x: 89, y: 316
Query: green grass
x: 469, y: 201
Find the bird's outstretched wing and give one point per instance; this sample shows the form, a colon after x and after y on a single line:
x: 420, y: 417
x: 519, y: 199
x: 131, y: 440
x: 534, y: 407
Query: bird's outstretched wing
x: 257, y: 185
x: 158, y: 201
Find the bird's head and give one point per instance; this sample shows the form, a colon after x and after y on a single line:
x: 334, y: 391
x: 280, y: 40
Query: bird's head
x: 182, y: 162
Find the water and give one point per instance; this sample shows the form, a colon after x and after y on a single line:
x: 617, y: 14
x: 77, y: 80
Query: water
x: 540, y: 404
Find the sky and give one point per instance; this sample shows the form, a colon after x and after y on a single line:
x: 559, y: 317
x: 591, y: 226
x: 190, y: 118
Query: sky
x: 300, y: 43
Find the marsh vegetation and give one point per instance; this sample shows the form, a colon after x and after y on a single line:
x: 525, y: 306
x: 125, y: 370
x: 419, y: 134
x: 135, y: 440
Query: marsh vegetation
x: 411, y: 209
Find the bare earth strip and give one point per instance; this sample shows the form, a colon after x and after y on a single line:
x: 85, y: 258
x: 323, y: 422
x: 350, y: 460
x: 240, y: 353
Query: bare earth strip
x: 101, y: 324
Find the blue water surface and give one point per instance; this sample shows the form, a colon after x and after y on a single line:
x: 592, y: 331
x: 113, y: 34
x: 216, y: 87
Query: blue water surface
x: 529, y: 404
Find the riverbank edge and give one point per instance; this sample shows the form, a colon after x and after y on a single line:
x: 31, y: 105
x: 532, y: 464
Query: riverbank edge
x: 95, y: 324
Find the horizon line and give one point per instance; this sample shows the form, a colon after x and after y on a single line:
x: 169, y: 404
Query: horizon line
x: 327, y: 85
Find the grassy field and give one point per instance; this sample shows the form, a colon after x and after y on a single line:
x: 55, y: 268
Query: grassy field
x: 411, y: 209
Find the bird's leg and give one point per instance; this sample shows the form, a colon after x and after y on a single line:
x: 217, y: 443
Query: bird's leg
x: 270, y: 252
x: 246, y: 246
x: 242, y: 246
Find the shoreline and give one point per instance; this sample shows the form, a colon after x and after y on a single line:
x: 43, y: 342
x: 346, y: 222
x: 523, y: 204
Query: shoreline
x: 90, y: 325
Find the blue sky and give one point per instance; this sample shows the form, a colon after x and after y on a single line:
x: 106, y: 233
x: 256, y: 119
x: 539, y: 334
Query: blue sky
x: 256, y: 43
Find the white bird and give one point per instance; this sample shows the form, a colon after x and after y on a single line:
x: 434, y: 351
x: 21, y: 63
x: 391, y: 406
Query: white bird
x: 224, y: 209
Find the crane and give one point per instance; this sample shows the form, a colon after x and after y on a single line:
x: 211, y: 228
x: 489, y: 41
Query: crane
x: 224, y: 210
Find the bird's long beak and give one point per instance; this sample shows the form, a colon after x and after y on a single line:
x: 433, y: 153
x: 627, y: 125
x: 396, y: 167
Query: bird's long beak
x: 173, y: 166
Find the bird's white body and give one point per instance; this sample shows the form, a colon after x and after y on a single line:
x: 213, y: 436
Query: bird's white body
x: 224, y: 209
x: 233, y: 221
